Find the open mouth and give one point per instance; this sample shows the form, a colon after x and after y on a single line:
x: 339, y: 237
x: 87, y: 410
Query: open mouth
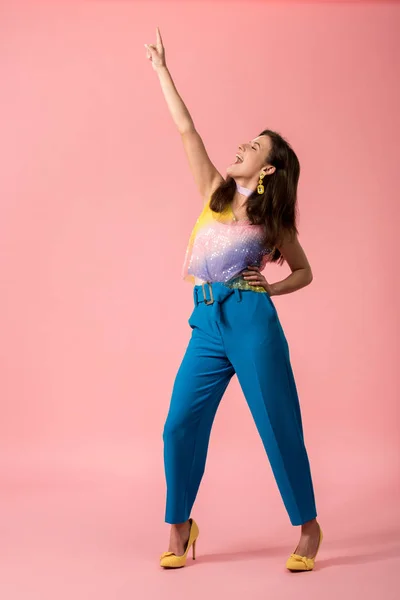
x: 239, y: 159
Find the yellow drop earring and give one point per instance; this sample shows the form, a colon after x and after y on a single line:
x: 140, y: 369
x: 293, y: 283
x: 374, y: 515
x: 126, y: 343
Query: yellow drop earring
x: 260, y: 187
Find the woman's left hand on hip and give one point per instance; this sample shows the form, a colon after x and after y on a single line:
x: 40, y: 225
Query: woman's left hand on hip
x: 253, y: 276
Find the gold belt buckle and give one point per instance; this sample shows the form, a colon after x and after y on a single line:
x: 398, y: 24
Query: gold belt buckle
x: 211, y: 293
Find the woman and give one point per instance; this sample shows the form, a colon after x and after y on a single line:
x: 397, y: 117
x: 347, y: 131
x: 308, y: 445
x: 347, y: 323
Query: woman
x: 248, y: 219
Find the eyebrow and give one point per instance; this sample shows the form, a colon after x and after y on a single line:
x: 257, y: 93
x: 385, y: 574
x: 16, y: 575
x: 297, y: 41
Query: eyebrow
x: 257, y: 143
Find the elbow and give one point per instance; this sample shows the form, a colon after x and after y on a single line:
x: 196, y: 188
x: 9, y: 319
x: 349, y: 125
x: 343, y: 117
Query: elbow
x: 186, y: 127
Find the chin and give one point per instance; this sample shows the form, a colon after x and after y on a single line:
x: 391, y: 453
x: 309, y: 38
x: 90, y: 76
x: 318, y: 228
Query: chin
x: 233, y: 171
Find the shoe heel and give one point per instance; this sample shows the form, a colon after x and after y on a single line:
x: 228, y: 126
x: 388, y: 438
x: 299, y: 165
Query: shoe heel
x: 194, y: 550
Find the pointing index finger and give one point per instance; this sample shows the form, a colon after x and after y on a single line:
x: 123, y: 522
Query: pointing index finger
x: 159, y: 39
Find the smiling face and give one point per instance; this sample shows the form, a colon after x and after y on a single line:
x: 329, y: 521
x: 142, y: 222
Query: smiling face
x: 251, y: 160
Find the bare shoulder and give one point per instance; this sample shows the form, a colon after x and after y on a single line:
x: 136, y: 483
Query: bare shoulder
x: 214, y: 185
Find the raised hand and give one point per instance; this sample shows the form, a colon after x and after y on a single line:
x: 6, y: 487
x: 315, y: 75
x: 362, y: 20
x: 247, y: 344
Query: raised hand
x: 156, y: 52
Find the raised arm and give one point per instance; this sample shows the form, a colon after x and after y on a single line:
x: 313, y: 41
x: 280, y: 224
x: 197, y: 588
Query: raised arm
x: 205, y: 174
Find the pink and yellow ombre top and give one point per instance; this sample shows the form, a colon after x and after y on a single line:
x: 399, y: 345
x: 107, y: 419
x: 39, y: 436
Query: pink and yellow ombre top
x: 220, y: 248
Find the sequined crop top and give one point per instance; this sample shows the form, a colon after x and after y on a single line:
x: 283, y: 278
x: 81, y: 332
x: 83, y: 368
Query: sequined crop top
x: 220, y: 248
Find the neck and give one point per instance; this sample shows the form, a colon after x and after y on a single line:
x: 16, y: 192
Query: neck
x: 244, y: 190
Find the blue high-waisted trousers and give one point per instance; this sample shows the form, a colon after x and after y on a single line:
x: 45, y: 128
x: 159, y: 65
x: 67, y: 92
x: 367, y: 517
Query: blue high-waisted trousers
x: 240, y: 333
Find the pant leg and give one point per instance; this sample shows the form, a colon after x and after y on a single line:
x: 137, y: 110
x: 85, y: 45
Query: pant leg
x: 199, y: 385
x: 262, y: 364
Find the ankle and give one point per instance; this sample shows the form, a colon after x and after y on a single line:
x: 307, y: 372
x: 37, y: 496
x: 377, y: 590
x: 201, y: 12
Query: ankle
x: 309, y: 526
x: 180, y: 526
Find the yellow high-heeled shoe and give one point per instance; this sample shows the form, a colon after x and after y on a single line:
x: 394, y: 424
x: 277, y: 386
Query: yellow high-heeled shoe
x: 171, y: 560
x: 296, y: 562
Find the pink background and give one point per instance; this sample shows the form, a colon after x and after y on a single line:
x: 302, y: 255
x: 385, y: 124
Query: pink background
x: 97, y: 204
